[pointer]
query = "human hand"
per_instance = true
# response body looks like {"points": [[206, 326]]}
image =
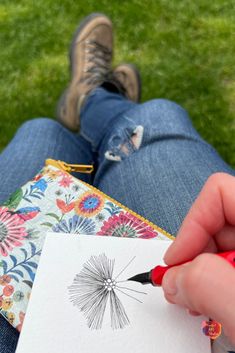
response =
{"points": [[206, 285]]}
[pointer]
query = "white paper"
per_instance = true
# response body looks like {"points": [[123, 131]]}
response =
{"points": [[54, 325]]}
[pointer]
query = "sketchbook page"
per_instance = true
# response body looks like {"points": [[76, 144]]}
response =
{"points": [[81, 301]]}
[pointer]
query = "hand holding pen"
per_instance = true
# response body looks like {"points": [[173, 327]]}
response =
{"points": [[206, 285]]}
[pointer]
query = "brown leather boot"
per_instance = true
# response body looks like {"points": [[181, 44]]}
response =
{"points": [[129, 78], [91, 60], [91, 66]]}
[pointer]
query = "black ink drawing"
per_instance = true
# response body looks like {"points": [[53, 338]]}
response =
{"points": [[96, 286]]}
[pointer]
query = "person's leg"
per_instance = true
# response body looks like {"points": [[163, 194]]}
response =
{"points": [[159, 174], [8, 337], [34, 142], [91, 64]]}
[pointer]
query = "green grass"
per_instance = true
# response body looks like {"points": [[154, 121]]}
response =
{"points": [[185, 50]]}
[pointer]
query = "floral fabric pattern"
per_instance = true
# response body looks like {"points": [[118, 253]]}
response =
{"points": [[12, 232], [89, 205], [126, 225], [75, 225], [53, 201]]}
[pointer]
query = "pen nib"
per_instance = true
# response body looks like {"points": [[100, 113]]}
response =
{"points": [[144, 278]]}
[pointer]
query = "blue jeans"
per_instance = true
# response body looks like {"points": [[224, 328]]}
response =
{"points": [[147, 156]]}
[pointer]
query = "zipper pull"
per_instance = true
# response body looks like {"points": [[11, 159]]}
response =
{"points": [[81, 168]]}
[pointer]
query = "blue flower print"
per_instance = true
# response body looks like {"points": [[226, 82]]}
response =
{"points": [[76, 225], [40, 184]]}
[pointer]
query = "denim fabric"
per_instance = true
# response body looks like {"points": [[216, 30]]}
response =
{"points": [[161, 178], [148, 157], [35, 141], [8, 337]]}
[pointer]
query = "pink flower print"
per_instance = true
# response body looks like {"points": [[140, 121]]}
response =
{"points": [[4, 280], [12, 233], [65, 181], [21, 317], [8, 290], [127, 225]]}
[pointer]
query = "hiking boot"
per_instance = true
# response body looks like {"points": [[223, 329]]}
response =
{"points": [[129, 80], [91, 61]]}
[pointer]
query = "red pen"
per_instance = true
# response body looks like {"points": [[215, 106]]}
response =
{"points": [[155, 276]]}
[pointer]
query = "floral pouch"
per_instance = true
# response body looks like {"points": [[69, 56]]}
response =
{"points": [[55, 201]]}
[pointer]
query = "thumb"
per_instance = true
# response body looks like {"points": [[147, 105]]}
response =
{"points": [[205, 285]]}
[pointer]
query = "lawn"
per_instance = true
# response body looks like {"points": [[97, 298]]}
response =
{"points": [[185, 50]]}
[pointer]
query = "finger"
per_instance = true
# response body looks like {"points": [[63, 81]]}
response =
{"points": [[213, 208], [225, 239], [207, 286]]}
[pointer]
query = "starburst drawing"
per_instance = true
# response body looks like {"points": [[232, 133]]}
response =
{"points": [[95, 287]]}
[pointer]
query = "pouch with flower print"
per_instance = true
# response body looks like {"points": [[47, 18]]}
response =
{"points": [[55, 201]]}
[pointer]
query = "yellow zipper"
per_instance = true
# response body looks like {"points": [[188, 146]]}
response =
{"points": [[82, 168]]}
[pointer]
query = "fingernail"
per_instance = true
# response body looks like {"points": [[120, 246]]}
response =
{"points": [[193, 313], [169, 283]]}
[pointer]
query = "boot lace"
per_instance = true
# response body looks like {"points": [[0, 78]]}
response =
{"points": [[97, 67]]}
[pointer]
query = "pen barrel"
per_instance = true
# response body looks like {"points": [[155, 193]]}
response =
{"points": [[229, 256], [157, 274]]}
